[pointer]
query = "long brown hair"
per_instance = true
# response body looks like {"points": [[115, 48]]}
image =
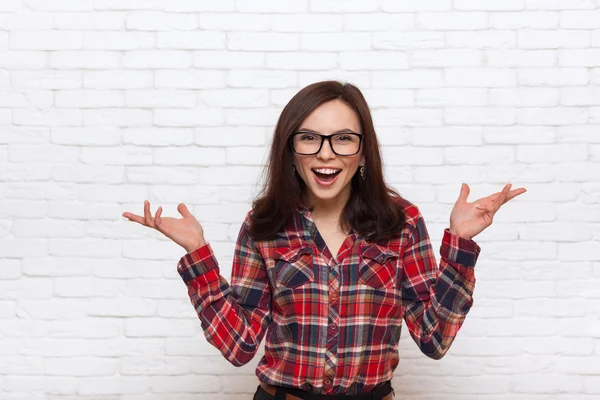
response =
{"points": [[371, 209]]}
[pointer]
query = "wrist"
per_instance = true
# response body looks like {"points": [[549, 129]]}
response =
{"points": [[195, 245], [459, 234]]}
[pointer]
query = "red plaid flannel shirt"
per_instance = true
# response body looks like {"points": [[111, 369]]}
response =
{"points": [[332, 324]]}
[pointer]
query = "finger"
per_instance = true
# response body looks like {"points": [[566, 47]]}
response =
{"points": [[464, 193], [502, 197], [148, 215], [183, 210], [514, 193], [157, 220], [134, 218]]}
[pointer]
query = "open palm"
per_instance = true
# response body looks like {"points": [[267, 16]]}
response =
{"points": [[186, 232], [469, 219]]}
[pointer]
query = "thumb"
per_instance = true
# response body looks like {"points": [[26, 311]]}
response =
{"points": [[183, 210], [464, 193]]}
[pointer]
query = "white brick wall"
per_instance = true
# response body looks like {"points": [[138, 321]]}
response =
{"points": [[105, 103]]}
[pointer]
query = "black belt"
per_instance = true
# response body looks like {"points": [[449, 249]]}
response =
{"points": [[381, 390]]}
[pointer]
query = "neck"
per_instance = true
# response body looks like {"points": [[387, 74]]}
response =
{"points": [[329, 210]]}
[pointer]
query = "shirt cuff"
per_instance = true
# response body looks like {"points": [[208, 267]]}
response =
{"points": [[197, 263], [459, 250]]}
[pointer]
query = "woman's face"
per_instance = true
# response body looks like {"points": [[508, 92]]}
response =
{"points": [[326, 174]]}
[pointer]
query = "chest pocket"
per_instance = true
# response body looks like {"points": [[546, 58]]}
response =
{"points": [[294, 267], [377, 267]]}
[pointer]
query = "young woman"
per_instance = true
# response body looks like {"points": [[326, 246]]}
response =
{"points": [[330, 260]]}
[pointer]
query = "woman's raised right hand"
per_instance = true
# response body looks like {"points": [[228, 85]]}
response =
{"points": [[186, 232]]}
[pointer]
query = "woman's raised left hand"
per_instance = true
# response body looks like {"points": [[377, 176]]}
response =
{"points": [[469, 219]]}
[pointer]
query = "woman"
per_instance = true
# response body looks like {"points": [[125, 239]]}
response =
{"points": [[330, 260]]}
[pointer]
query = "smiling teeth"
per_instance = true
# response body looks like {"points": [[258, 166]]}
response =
{"points": [[326, 171]]}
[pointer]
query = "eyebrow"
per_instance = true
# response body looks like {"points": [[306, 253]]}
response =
{"points": [[345, 130]]}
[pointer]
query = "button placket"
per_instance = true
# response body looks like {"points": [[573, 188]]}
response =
{"points": [[332, 327]]}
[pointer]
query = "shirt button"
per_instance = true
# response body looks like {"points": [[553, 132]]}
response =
{"points": [[333, 296], [327, 381], [380, 259], [333, 327]]}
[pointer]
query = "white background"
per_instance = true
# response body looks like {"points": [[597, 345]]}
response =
{"points": [[105, 103]]}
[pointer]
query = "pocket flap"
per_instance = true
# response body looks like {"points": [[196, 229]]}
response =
{"points": [[290, 254], [294, 267], [377, 253]]}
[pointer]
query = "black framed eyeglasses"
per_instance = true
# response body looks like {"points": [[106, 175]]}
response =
{"points": [[310, 143]]}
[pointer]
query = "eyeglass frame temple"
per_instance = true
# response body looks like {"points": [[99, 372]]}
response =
{"points": [[328, 138]]}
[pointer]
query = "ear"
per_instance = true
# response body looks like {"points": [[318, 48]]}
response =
{"points": [[362, 161]]}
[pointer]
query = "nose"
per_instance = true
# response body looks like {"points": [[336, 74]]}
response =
{"points": [[326, 152]]}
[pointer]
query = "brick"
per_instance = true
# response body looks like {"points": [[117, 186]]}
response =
{"points": [[119, 40], [552, 153], [261, 79], [236, 22], [413, 79], [524, 20], [160, 21], [187, 6], [197, 40], [112, 21], [378, 22], [480, 116], [188, 117], [117, 116], [580, 19], [166, 59], [340, 6], [479, 77], [553, 77], [160, 98], [46, 117], [425, 5], [579, 58], [446, 58], [157, 137], [195, 79], [560, 5], [519, 135], [30, 60], [11, 6], [408, 40], [525, 97], [89, 99], [228, 59], [262, 41], [335, 41], [85, 60], [118, 79], [189, 156], [46, 40], [521, 58], [304, 61], [552, 116], [50, 79], [532, 39], [452, 21], [494, 5], [305, 23], [581, 96], [492, 39]]}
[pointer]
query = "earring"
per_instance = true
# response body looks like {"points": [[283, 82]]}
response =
{"points": [[362, 172]]}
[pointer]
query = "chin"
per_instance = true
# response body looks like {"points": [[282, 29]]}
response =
{"points": [[326, 194]]}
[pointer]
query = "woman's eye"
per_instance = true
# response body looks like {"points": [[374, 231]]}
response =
{"points": [[343, 138], [308, 137]]}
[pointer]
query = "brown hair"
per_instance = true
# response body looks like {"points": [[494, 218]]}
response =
{"points": [[371, 209]]}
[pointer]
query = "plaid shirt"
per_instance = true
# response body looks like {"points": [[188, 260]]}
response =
{"points": [[332, 324]]}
